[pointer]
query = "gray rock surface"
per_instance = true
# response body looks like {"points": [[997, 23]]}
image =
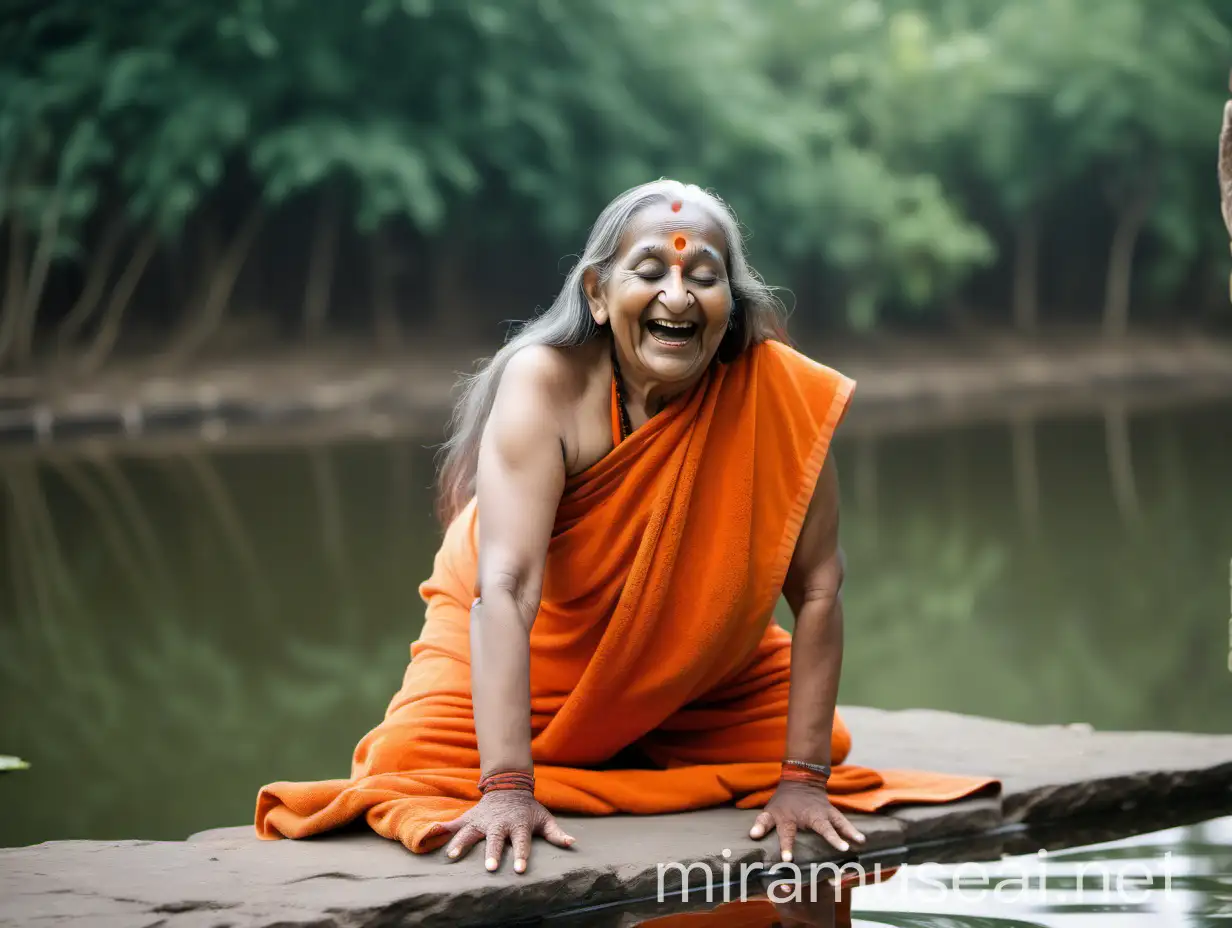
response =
{"points": [[1061, 775]]}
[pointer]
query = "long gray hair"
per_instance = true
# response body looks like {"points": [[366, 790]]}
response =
{"points": [[757, 316]]}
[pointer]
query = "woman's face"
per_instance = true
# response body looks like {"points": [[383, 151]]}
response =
{"points": [[667, 297]]}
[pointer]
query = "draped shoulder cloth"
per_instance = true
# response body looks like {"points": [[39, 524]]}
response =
{"points": [[655, 630]]}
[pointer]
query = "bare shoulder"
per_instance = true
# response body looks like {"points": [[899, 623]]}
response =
{"points": [[550, 377], [563, 390]]}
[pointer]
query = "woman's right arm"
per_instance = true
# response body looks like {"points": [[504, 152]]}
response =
{"points": [[520, 479], [521, 475]]}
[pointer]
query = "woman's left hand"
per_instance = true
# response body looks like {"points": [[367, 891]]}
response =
{"points": [[802, 805]]}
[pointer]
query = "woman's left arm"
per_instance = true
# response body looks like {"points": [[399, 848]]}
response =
{"points": [[812, 588]]}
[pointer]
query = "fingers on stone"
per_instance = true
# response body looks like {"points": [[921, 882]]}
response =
{"points": [[495, 847], [521, 840], [762, 824], [521, 846], [555, 834], [846, 828], [827, 831], [466, 838], [787, 838]]}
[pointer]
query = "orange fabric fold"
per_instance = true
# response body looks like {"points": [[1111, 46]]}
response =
{"points": [[655, 631]]}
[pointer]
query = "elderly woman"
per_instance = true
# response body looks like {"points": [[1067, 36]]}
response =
{"points": [[629, 486]]}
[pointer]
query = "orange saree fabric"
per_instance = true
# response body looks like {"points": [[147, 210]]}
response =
{"points": [[655, 631]]}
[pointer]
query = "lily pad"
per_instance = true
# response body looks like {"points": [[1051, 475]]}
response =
{"points": [[8, 762]]}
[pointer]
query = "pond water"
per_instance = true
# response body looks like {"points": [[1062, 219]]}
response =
{"points": [[177, 629], [1177, 877]]}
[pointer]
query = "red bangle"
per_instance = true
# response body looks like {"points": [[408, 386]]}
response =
{"points": [[801, 775], [507, 779]]}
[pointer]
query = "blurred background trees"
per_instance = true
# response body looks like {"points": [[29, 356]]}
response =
{"points": [[286, 169]]}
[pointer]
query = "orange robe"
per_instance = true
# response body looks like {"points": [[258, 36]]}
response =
{"points": [[665, 563]]}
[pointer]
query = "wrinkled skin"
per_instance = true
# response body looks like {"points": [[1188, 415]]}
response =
{"points": [[800, 805], [500, 816], [671, 266]]}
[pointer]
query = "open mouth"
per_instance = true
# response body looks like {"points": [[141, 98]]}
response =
{"points": [[671, 333]]}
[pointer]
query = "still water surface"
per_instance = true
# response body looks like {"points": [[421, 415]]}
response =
{"points": [[1177, 877], [176, 630]]}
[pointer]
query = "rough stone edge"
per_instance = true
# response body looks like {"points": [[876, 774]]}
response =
{"points": [[1117, 793], [625, 889], [907, 834], [965, 829]]}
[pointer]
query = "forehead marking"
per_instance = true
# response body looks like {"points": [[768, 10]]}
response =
{"points": [[676, 206], [680, 242]]}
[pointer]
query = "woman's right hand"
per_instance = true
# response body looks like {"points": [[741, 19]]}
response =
{"points": [[504, 815]]}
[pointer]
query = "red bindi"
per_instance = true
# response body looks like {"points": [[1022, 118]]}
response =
{"points": [[676, 207], [680, 242]]}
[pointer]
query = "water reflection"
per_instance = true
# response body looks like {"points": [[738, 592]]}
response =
{"points": [[190, 625], [181, 627], [1026, 472], [1180, 876], [824, 903], [1092, 568], [1121, 465]]}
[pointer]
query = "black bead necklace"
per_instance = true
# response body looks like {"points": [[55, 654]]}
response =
{"points": [[626, 425]]}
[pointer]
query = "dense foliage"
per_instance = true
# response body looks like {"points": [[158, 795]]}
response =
{"points": [[412, 162]]}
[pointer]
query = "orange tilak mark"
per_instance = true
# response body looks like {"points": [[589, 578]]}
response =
{"points": [[676, 207], [680, 242]]}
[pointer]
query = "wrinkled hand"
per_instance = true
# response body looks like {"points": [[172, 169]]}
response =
{"points": [[503, 815], [796, 805]]}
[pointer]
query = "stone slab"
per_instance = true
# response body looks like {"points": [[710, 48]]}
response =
{"points": [[1053, 775], [1048, 771]]}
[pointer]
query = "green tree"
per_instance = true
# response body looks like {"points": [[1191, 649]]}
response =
{"points": [[879, 149], [859, 198]]}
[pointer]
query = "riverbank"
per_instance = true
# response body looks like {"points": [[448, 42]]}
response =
{"points": [[349, 389], [1063, 785]]}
